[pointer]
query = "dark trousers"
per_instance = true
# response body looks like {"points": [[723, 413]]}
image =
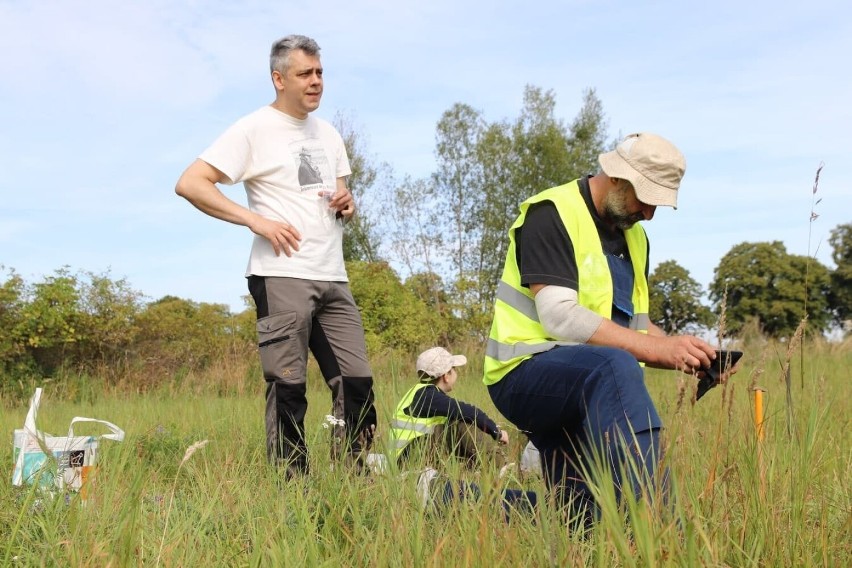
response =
{"points": [[465, 442], [578, 401], [295, 316]]}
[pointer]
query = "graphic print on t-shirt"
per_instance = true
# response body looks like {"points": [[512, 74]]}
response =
{"points": [[313, 166]]}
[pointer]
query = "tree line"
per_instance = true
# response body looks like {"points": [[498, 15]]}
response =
{"points": [[446, 236]]}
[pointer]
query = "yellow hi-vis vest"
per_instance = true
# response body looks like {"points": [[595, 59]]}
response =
{"points": [[516, 333], [405, 428]]}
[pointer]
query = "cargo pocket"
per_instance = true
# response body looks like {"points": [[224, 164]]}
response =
{"points": [[278, 343]]}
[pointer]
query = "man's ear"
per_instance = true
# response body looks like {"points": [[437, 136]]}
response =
{"points": [[277, 80]]}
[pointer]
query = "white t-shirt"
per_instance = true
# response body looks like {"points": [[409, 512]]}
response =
{"points": [[287, 166]]}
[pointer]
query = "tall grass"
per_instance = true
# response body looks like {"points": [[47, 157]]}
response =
{"points": [[224, 506]]}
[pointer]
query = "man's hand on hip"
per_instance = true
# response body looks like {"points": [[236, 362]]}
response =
{"points": [[282, 235]]}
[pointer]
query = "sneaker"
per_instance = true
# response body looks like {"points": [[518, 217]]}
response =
{"points": [[424, 486]]}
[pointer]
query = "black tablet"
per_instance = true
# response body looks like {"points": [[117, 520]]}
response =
{"points": [[723, 361]]}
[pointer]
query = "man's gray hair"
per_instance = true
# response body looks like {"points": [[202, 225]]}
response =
{"points": [[279, 57]]}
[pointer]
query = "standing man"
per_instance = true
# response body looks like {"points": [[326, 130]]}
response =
{"points": [[296, 273], [571, 323]]}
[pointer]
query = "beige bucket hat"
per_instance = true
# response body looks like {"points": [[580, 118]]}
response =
{"points": [[437, 361], [651, 163]]}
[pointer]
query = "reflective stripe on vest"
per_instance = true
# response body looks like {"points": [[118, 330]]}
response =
{"points": [[411, 425], [518, 300], [516, 333], [405, 428]]}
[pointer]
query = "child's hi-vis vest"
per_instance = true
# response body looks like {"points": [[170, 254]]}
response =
{"points": [[405, 428]]}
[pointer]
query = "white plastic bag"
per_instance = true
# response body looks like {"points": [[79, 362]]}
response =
{"points": [[62, 462], [531, 459]]}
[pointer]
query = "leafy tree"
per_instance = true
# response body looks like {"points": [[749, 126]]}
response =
{"points": [[110, 308], [460, 187], [587, 135], [369, 184], [519, 158], [764, 282], [52, 322], [73, 323], [245, 322], [455, 223], [500, 207], [458, 182], [536, 152], [540, 142], [69, 321], [12, 299], [175, 334], [676, 299], [393, 316], [428, 287], [840, 298], [417, 236]]}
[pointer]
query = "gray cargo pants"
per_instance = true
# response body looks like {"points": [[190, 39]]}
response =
{"points": [[295, 316]]}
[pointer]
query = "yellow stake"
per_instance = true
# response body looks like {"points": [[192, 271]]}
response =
{"points": [[758, 412], [758, 426]]}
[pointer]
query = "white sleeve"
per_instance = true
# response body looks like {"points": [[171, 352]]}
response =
{"points": [[230, 153], [563, 317]]}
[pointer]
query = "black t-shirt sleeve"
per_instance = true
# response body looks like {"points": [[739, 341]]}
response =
{"points": [[432, 401], [545, 254]]}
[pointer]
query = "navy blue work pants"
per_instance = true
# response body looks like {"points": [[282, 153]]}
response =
{"points": [[573, 400]]}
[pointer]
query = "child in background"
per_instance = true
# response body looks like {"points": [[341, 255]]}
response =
{"points": [[431, 424], [428, 420]]}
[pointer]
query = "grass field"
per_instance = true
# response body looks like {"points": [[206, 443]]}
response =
{"points": [[784, 502]]}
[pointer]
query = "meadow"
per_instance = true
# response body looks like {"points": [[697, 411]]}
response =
{"points": [[190, 486]]}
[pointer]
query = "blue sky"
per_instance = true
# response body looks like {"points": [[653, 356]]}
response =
{"points": [[103, 104]]}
